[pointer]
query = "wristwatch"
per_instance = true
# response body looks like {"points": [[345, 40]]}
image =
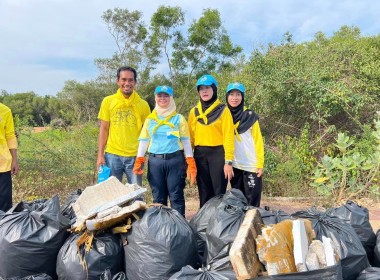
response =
{"points": [[229, 162]]}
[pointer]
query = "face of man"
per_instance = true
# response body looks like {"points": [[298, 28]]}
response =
{"points": [[126, 82]]}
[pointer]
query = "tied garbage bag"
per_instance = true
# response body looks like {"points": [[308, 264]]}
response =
{"points": [[370, 273], [189, 273], [106, 252], [347, 244], [160, 243], [376, 261], [273, 217], [42, 276], [327, 273], [358, 218], [107, 275], [221, 233], [31, 235], [67, 209], [200, 221]]}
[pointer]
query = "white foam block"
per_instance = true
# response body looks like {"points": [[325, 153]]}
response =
{"points": [[301, 245], [329, 251]]}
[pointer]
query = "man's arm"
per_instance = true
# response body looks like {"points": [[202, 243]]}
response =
{"points": [[14, 166], [103, 137]]}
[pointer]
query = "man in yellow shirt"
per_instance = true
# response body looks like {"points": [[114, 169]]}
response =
{"points": [[8, 157], [122, 116]]}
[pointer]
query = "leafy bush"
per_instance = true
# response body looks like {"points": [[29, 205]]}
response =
{"points": [[351, 173]]}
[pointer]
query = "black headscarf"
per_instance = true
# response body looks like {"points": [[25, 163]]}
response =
{"points": [[247, 118], [216, 112]]}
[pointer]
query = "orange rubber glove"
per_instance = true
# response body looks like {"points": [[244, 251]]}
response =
{"points": [[191, 170], [138, 164]]}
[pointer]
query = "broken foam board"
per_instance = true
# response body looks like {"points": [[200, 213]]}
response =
{"points": [[301, 245], [243, 255]]}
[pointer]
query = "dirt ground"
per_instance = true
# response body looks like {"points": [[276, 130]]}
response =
{"points": [[290, 206]]}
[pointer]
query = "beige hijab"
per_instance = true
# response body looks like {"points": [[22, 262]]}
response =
{"points": [[164, 112]]}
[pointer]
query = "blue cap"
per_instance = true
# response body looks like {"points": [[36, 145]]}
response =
{"points": [[165, 89], [207, 80], [237, 86]]}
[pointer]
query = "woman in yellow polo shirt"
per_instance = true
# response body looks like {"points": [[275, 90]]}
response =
{"points": [[212, 136]]}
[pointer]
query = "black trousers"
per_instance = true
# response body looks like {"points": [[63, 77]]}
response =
{"points": [[5, 191], [210, 174], [249, 184]]}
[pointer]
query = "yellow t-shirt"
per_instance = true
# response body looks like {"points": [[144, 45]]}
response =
{"points": [[220, 132], [7, 138], [126, 118]]}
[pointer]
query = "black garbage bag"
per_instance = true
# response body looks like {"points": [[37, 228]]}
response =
{"points": [[358, 218], [159, 245], [327, 273], [370, 273], [67, 209], [31, 235], [350, 250], [200, 221], [107, 275], [42, 276], [273, 217], [106, 253], [189, 273], [376, 261], [221, 233]]}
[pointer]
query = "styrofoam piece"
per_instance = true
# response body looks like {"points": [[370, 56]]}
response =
{"points": [[329, 251], [243, 255], [301, 245], [316, 250], [114, 218], [109, 211], [102, 196], [312, 262]]}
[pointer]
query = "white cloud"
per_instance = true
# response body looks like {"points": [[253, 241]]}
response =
{"points": [[45, 42]]}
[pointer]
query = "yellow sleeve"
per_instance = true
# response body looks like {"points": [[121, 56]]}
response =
{"points": [[144, 134], [191, 126], [228, 134], [184, 132], [10, 135], [146, 112], [259, 144], [104, 112]]}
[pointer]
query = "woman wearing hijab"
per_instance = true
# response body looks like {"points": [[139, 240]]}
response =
{"points": [[167, 135], [248, 162], [212, 135]]}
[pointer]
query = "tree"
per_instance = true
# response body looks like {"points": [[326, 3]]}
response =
{"points": [[206, 46], [82, 100], [130, 35]]}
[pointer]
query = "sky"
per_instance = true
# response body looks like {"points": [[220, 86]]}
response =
{"points": [[44, 43]]}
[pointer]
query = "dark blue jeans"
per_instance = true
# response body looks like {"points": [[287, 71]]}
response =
{"points": [[120, 165], [167, 178]]}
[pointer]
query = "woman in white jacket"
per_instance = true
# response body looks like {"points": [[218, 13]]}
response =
{"points": [[248, 162]]}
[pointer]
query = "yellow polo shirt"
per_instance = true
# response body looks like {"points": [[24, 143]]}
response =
{"points": [[126, 118], [7, 138]]}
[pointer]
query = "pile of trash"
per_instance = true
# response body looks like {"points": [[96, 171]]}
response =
{"points": [[107, 232]]}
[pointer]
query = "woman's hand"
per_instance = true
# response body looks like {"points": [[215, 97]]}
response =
{"points": [[228, 172]]}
